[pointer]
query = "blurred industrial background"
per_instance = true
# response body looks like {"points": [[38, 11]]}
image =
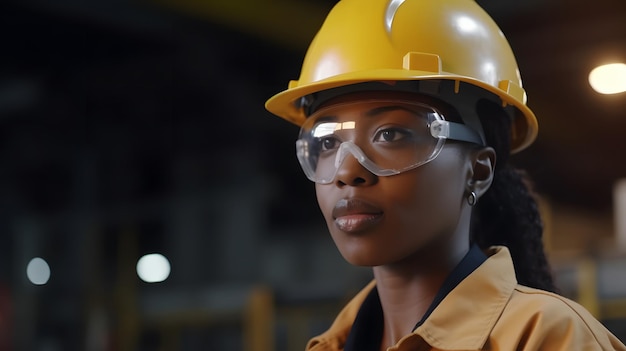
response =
{"points": [[130, 128]]}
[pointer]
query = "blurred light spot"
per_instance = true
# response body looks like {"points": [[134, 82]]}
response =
{"points": [[608, 79], [489, 74], [466, 24], [38, 271], [153, 268], [329, 65]]}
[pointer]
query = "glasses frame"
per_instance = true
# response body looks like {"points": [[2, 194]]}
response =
{"points": [[440, 129]]}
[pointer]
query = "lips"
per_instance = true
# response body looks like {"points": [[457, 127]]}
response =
{"points": [[354, 215]]}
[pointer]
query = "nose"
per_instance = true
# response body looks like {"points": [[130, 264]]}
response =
{"points": [[352, 173]]}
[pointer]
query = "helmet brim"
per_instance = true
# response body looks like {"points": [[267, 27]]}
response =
{"points": [[284, 104]]}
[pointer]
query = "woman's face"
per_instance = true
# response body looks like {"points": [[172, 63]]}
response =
{"points": [[379, 220]]}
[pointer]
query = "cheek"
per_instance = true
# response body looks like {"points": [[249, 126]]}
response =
{"points": [[325, 200], [429, 198]]}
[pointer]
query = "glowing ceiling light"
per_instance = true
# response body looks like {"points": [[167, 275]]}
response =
{"points": [[38, 271], [153, 268], [608, 79]]}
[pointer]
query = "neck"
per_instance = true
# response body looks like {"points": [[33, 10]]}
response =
{"points": [[408, 288]]}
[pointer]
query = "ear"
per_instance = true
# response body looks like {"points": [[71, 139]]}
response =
{"points": [[483, 163]]}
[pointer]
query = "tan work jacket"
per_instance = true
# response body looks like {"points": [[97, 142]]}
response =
{"points": [[488, 310]]}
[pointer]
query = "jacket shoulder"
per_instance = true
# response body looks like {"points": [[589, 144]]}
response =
{"points": [[556, 305], [548, 321]]}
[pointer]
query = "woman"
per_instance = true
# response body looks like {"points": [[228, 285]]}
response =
{"points": [[408, 113]]}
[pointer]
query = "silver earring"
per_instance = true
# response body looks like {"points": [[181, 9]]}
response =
{"points": [[471, 198]]}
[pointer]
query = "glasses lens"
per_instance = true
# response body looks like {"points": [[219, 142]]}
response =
{"points": [[389, 137]]}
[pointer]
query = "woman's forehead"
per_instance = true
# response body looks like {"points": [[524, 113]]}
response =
{"points": [[369, 98], [372, 110]]}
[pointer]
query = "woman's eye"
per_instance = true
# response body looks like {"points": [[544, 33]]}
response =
{"points": [[329, 143], [389, 135]]}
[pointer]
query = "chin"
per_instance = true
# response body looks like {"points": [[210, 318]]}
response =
{"points": [[362, 259]]}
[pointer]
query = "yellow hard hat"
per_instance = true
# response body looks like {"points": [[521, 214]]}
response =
{"points": [[408, 40]]}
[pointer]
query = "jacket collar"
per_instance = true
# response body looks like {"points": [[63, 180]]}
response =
{"points": [[478, 302], [462, 321]]}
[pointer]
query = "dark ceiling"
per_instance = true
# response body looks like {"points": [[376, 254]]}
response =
{"points": [[579, 153], [255, 47]]}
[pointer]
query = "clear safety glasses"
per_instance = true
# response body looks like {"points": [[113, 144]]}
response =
{"points": [[387, 137]]}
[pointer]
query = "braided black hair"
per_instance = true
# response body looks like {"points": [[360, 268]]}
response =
{"points": [[507, 214]]}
